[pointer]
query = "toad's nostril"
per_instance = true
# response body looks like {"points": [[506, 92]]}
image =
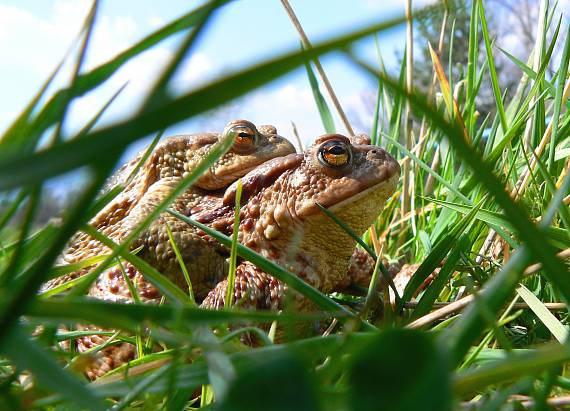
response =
{"points": [[376, 154]]}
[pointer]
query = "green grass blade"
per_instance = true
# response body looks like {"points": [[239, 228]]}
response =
{"points": [[472, 54], [140, 388], [427, 169], [558, 236], [21, 293], [529, 71], [159, 89], [440, 250], [517, 215], [180, 263], [558, 100], [492, 69], [102, 111], [324, 111], [559, 331], [166, 287], [51, 112], [425, 303], [233, 249], [510, 369], [129, 316], [145, 156], [88, 29]]}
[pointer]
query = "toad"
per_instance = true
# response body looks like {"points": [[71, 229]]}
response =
{"points": [[279, 218], [171, 161], [281, 221]]}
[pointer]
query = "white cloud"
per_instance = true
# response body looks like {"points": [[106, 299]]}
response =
{"points": [[197, 69], [10, 19], [155, 22], [280, 107], [33, 42]]}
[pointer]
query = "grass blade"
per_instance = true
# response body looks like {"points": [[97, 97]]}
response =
{"points": [[233, 249], [559, 331], [324, 111], [492, 69]]}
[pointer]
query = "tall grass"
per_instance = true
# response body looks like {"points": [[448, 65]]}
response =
{"points": [[486, 198]]}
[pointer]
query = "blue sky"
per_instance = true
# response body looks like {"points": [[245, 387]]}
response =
{"points": [[35, 34]]}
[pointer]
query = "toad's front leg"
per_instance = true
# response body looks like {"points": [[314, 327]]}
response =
{"points": [[253, 288]]}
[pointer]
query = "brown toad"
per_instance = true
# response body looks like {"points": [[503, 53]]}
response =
{"points": [[166, 166], [280, 219]]}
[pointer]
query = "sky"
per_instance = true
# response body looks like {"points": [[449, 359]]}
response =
{"points": [[35, 35]]}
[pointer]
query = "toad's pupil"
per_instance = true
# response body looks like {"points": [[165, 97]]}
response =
{"points": [[336, 155], [243, 135], [337, 150]]}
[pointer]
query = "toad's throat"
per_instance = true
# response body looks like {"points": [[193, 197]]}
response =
{"points": [[380, 191], [320, 246]]}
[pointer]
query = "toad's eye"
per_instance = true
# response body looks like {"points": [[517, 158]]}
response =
{"points": [[335, 154], [244, 136]]}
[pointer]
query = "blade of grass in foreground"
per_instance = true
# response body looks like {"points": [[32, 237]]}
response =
{"points": [[166, 287], [195, 374], [512, 368], [128, 316], [276, 271], [20, 293], [559, 331], [159, 89], [88, 26]]}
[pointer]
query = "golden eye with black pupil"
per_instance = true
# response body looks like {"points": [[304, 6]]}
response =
{"points": [[244, 136], [335, 154]]}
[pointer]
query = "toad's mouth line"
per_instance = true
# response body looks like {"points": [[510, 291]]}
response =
{"points": [[386, 187]]}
